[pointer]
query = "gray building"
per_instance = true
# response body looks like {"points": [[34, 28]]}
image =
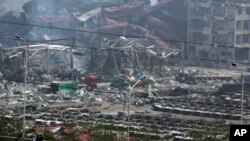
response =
{"points": [[222, 22]]}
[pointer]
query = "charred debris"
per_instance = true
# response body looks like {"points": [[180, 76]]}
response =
{"points": [[85, 74], [92, 51]]}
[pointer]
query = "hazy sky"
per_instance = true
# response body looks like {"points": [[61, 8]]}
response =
{"points": [[11, 5]]}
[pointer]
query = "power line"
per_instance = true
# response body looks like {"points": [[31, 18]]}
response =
{"points": [[140, 53], [112, 34]]}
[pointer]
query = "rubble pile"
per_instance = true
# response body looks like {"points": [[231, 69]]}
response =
{"points": [[89, 80]]}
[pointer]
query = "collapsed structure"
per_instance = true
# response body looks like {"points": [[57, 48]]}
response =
{"points": [[146, 53], [42, 59], [115, 43]]}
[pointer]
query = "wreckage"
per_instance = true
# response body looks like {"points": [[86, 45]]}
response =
{"points": [[89, 79], [43, 59], [117, 54]]}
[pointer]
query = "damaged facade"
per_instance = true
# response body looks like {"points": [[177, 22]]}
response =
{"points": [[43, 59], [222, 23]]}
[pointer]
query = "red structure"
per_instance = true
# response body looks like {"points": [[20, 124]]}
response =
{"points": [[91, 81]]}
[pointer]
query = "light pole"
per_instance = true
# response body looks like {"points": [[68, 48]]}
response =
{"points": [[142, 77], [242, 95], [25, 80]]}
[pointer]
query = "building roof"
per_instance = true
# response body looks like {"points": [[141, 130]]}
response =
{"points": [[88, 15]]}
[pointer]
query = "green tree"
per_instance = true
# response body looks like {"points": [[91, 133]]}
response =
{"points": [[71, 136], [10, 127], [47, 135], [208, 133]]}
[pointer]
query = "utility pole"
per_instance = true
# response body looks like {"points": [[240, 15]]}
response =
{"points": [[182, 55], [242, 94], [25, 81], [218, 49], [124, 106], [48, 61], [91, 65], [116, 67], [71, 56], [159, 59], [134, 57], [142, 77], [138, 62], [25, 85], [242, 97]]}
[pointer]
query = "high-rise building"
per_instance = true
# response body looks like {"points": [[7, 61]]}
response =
{"points": [[218, 22]]}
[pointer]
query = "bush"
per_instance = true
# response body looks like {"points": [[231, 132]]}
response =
{"points": [[47, 135]]}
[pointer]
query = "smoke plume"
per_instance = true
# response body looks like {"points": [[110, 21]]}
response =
{"points": [[14, 6]]}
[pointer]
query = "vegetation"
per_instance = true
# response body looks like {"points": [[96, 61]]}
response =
{"points": [[110, 132], [209, 134], [10, 126], [102, 132], [73, 136], [47, 135]]}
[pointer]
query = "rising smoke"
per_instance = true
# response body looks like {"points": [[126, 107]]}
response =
{"points": [[14, 6], [50, 13]]}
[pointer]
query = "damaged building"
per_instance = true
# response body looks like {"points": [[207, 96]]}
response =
{"points": [[223, 28], [154, 20], [81, 63], [43, 60]]}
